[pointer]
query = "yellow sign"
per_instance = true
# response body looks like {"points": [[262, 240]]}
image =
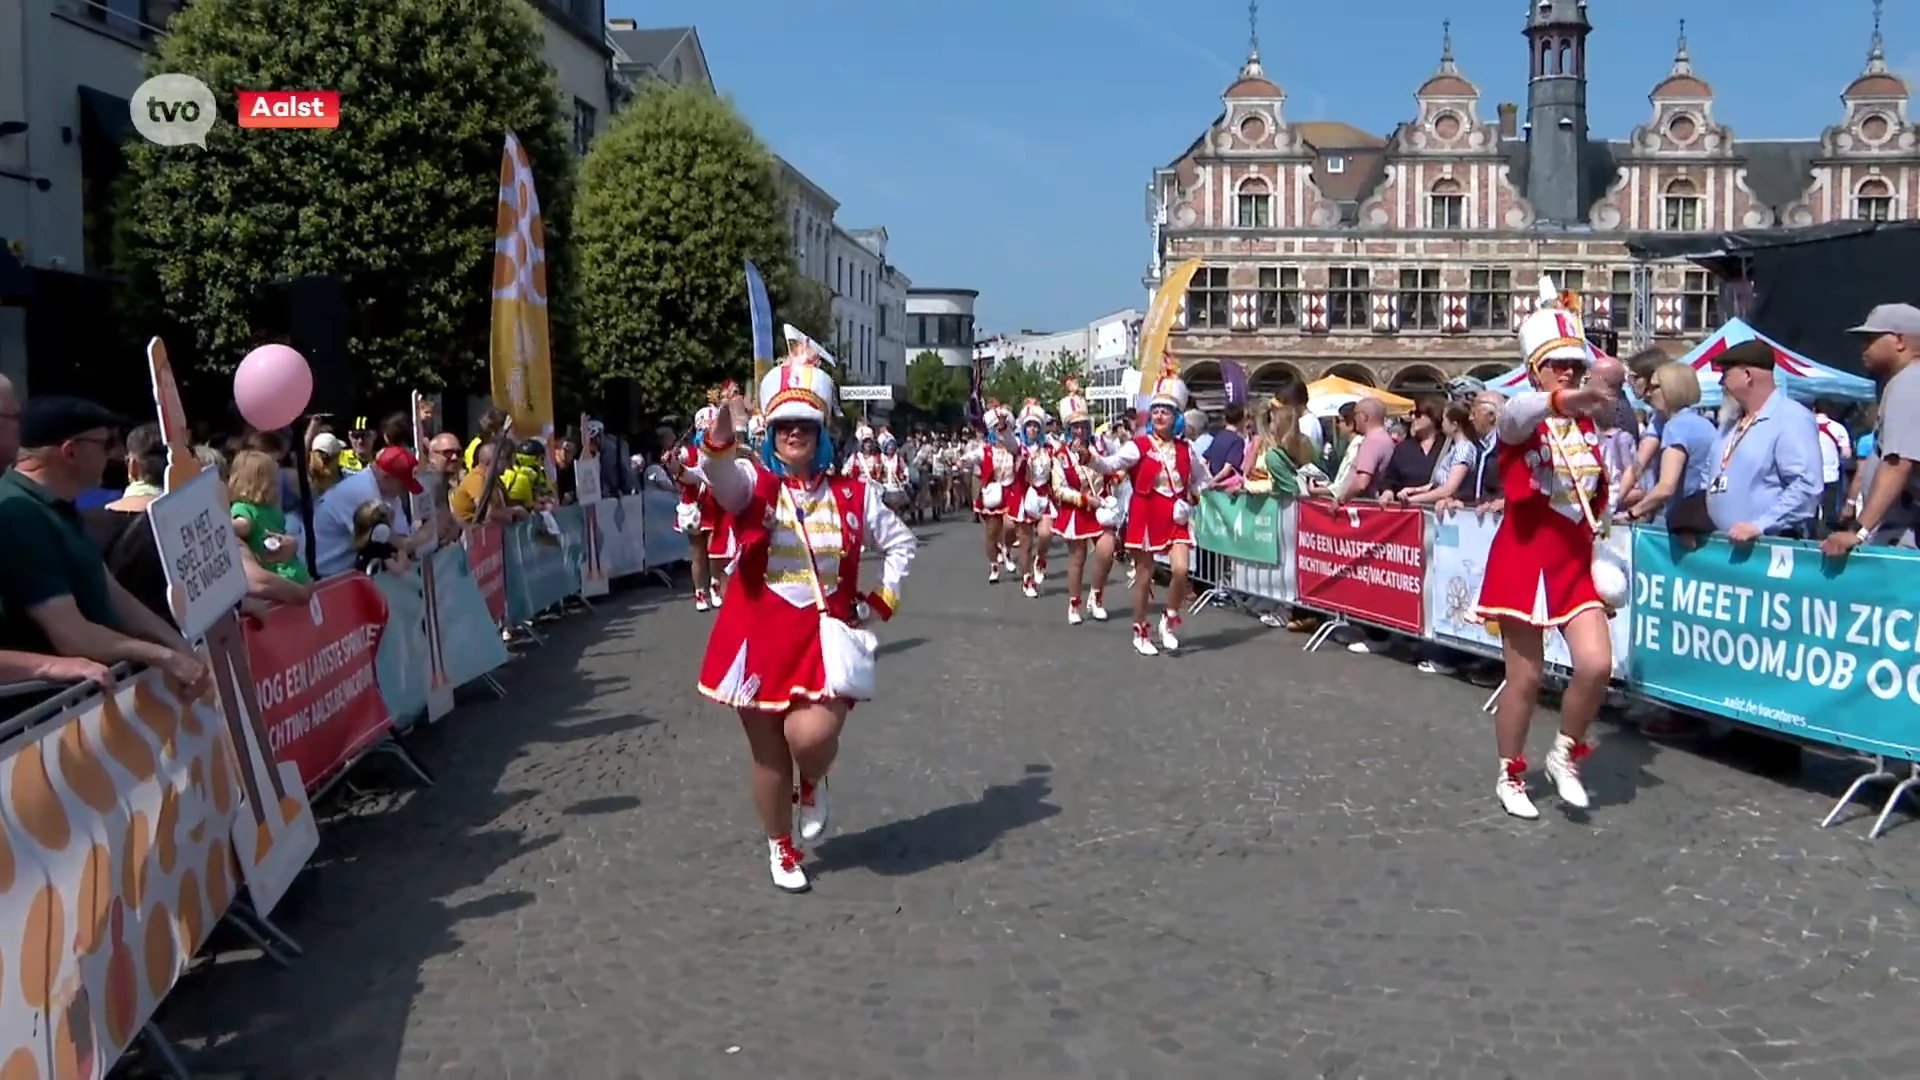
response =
{"points": [[521, 362], [1159, 321]]}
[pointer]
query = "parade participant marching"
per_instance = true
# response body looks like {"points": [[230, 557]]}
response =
{"points": [[1080, 494], [1540, 567], [1167, 478], [864, 462], [892, 476], [1002, 471], [708, 531], [1032, 516], [773, 657]]}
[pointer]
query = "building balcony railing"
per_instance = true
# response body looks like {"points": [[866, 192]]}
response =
{"points": [[139, 22]]}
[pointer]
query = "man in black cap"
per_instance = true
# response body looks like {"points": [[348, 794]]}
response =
{"points": [[56, 592]]}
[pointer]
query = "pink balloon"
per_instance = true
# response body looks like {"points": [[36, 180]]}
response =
{"points": [[272, 387]]}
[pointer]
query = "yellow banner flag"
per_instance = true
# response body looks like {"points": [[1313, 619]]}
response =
{"points": [[520, 363], [1159, 322]]}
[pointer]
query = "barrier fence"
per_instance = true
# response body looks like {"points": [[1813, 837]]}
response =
{"points": [[138, 820], [1771, 635]]}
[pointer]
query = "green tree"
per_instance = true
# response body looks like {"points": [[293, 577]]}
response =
{"points": [[936, 389], [674, 197], [399, 200]]}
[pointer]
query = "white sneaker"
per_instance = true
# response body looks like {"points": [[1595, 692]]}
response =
{"points": [[1094, 608], [811, 809], [1365, 647], [783, 861], [1073, 613], [1007, 560], [993, 575], [1141, 644], [1039, 571], [1428, 667], [1169, 622], [717, 597], [1027, 588], [1268, 618], [1563, 768], [1511, 789], [700, 600]]}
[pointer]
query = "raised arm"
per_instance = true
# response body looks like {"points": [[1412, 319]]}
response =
{"points": [[1524, 411], [728, 475]]}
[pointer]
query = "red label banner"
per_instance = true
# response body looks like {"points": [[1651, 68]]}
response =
{"points": [[1363, 560], [487, 558], [314, 666]]}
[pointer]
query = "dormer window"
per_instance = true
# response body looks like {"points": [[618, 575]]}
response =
{"points": [[1873, 201], [1447, 206], [1681, 212], [1336, 163]]}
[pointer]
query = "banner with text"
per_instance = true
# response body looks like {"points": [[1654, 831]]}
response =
{"points": [[1362, 560], [314, 666], [1460, 542], [487, 558], [1777, 636], [1239, 526]]}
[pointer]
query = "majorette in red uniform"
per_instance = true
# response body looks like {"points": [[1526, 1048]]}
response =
{"points": [[1081, 499], [1540, 567], [800, 533], [709, 533], [1167, 478], [864, 462], [1003, 486], [1032, 516]]}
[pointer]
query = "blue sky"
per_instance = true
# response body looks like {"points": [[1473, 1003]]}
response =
{"points": [[1006, 144]]}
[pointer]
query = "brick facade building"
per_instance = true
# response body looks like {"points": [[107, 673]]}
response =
{"points": [[1406, 260]]}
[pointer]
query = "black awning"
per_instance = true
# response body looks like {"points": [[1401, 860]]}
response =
{"points": [[16, 285], [105, 117]]}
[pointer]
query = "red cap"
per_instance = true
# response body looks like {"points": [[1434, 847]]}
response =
{"points": [[399, 465]]}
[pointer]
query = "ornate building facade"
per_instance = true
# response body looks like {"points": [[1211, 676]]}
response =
{"points": [[1406, 260]]}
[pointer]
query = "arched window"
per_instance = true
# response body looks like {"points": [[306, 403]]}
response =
{"points": [[1447, 206], [1566, 57], [1253, 208], [1873, 201], [1547, 59], [1680, 211]]}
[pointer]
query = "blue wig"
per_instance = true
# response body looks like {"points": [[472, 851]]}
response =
{"points": [[822, 453], [1030, 441]]}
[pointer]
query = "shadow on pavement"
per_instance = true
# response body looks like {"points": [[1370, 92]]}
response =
{"points": [[894, 648], [376, 904], [951, 834]]}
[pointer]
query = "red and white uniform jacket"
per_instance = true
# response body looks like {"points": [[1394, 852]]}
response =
{"points": [[864, 466], [1005, 465]]}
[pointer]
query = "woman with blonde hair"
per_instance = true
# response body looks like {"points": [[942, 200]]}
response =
{"points": [[1277, 452], [1682, 469]]}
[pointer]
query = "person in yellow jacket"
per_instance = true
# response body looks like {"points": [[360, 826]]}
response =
{"points": [[359, 449], [525, 478]]}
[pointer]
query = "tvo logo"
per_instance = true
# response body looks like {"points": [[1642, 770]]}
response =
{"points": [[174, 110]]}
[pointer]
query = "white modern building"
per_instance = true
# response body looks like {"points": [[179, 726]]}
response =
{"points": [[67, 71], [1105, 346], [576, 48], [941, 320], [856, 289], [810, 213]]}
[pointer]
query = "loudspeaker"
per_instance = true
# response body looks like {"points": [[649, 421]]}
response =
{"points": [[310, 314]]}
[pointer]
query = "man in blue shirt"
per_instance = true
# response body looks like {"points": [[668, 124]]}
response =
{"points": [[1766, 462]]}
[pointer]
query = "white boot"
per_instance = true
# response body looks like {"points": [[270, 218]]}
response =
{"points": [[1511, 789], [1169, 623], [1095, 609], [1073, 613], [1027, 587], [717, 597], [811, 810], [1563, 768], [783, 861], [700, 600], [1141, 643]]}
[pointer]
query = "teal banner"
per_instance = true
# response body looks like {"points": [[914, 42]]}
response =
{"points": [[1777, 636], [543, 570], [1245, 527], [403, 665], [470, 644]]}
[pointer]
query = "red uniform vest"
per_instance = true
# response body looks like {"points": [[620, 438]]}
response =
{"points": [[755, 537], [1145, 473]]}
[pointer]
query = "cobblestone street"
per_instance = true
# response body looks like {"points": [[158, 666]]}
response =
{"points": [[1057, 859]]}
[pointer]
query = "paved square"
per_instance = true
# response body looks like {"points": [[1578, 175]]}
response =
{"points": [[1058, 859]]}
